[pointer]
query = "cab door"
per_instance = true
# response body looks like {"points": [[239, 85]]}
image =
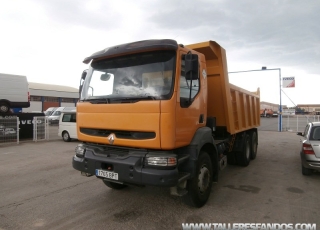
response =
{"points": [[191, 103]]}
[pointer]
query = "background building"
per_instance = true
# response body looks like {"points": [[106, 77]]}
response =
{"points": [[268, 105], [43, 96], [310, 108]]}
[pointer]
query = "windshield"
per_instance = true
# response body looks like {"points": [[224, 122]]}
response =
{"points": [[47, 113], [140, 76], [56, 113]]}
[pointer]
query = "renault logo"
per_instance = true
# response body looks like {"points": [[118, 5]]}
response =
{"points": [[111, 138]]}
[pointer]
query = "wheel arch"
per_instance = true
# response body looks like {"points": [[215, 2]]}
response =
{"points": [[6, 102], [203, 140], [213, 154]]}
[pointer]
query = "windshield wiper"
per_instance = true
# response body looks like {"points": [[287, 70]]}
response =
{"points": [[141, 97], [133, 99], [99, 100], [119, 99]]}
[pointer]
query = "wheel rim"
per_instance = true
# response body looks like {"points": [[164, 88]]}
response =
{"points": [[65, 136], [3, 108], [203, 179]]}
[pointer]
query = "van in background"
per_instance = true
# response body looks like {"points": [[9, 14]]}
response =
{"points": [[50, 111], [55, 116], [14, 92], [68, 126]]}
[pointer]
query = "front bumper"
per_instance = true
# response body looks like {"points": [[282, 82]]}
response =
{"points": [[130, 167]]}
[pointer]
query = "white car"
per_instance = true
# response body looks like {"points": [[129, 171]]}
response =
{"points": [[310, 148]]}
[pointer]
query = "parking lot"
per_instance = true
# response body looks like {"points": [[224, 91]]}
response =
{"points": [[39, 189]]}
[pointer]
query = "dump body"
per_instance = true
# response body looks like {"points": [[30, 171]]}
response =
{"points": [[235, 109]]}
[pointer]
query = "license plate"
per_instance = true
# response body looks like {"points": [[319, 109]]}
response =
{"points": [[107, 174]]}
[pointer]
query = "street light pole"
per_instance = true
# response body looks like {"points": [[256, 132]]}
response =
{"points": [[280, 105]]}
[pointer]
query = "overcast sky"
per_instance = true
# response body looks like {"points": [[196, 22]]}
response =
{"points": [[48, 40]]}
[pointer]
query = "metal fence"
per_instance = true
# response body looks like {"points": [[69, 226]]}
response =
{"points": [[43, 129], [40, 129], [9, 130], [297, 123]]}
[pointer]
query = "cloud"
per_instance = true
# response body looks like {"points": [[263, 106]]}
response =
{"points": [[47, 40]]}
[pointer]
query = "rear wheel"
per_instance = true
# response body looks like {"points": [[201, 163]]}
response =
{"points": [[4, 108], [306, 171], [66, 136], [114, 185], [243, 157], [199, 187], [253, 145]]}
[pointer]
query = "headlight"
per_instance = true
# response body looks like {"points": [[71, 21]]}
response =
{"points": [[80, 150], [161, 161]]}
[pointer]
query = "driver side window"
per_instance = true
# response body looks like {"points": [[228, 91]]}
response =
{"points": [[187, 85]]}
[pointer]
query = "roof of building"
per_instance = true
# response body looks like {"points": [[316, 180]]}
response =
{"points": [[60, 88]]}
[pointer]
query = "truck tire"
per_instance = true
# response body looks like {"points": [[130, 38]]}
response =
{"points": [[306, 171], [66, 136], [253, 145], [243, 157], [4, 108], [114, 185], [199, 187]]}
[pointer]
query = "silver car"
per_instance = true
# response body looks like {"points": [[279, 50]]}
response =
{"points": [[310, 148]]}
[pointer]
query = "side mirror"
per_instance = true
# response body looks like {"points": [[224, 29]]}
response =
{"points": [[191, 66], [80, 89], [84, 74], [83, 77], [299, 134]]}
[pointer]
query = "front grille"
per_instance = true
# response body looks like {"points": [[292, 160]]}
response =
{"points": [[118, 133], [112, 151]]}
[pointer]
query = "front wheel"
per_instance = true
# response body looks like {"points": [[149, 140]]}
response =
{"points": [[66, 136], [199, 187], [114, 185]]}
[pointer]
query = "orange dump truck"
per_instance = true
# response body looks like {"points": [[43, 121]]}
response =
{"points": [[159, 113]]}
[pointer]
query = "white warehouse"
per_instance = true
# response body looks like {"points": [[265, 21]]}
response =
{"points": [[43, 96]]}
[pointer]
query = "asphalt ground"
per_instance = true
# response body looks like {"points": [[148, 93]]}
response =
{"points": [[39, 189]]}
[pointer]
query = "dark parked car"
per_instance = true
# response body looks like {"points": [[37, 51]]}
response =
{"points": [[310, 148]]}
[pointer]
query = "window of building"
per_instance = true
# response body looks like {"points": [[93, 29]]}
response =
{"points": [[35, 98], [51, 99], [71, 100]]}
